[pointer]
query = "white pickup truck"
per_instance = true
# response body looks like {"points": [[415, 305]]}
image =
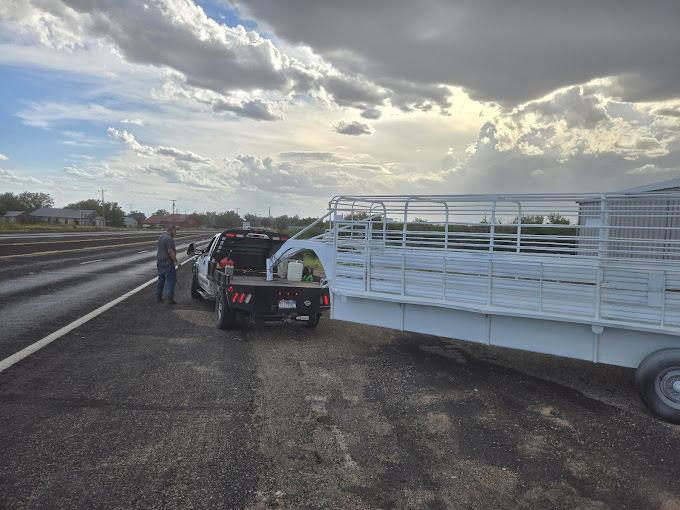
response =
{"points": [[242, 292]]}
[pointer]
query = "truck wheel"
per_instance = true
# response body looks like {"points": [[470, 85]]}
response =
{"points": [[657, 381], [313, 321], [224, 315], [194, 286]]}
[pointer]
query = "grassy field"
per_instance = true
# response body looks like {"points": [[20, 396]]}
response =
{"points": [[47, 227]]}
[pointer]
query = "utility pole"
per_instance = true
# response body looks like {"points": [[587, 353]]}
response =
{"points": [[103, 207], [173, 210]]}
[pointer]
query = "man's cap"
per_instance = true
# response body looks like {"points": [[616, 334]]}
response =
{"points": [[172, 227]]}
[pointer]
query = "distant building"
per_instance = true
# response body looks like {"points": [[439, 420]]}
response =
{"points": [[82, 217], [15, 217], [153, 221], [130, 222], [183, 221]]}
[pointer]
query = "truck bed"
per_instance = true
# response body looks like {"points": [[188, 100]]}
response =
{"points": [[261, 281]]}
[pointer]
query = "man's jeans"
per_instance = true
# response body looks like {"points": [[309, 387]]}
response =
{"points": [[166, 272]]}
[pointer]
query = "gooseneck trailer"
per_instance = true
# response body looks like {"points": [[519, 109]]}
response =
{"points": [[588, 276]]}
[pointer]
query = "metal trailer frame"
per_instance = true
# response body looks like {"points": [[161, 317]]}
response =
{"points": [[588, 276]]}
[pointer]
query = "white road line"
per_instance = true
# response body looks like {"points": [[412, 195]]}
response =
{"points": [[91, 261], [143, 251], [23, 353]]}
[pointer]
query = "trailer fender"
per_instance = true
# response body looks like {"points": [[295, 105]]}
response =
{"points": [[657, 381]]}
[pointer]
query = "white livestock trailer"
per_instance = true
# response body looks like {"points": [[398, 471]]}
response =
{"points": [[587, 276]]}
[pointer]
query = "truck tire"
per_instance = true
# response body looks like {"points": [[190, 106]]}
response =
{"points": [[657, 381], [313, 320], [224, 315], [194, 286]]}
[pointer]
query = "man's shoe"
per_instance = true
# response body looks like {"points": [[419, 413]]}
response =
{"points": [[172, 302], [159, 299]]}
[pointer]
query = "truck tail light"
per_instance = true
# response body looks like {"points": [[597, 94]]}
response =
{"points": [[241, 297], [325, 300]]}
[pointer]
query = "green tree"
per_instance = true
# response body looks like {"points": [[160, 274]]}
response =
{"points": [[228, 219], [558, 219], [255, 221], [114, 215], [92, 205], [530, 219], [10, 202], [34, 201], [137, 215], [26, 201], [207, 219], [161, 212]]}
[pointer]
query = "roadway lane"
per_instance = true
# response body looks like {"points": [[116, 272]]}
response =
{"points": [[145, 406], [47, 281]]}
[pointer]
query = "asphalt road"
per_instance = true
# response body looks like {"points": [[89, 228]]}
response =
{"points": [[49, 280], [150, 406]]}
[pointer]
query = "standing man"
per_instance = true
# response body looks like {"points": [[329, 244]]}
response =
{"points": [[166, 260]]}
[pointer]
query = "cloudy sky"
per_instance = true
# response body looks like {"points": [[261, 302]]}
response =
{"points": [[264, 104]]}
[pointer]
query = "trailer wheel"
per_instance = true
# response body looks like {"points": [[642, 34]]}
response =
{"points": [[195, 286], [224, 315], [657, 381]]}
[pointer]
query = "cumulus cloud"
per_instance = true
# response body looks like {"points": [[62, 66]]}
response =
{"points": [[320, 175], [569, 106], [175, 165], [575, 122], [78, 172], [371, 113], [256, 109], [3, 157], [181, 155], [98, 172], [178, 35], [309, 156], [504, 159], [651, 169], [503, 52], [673, 111], [577, 97], [9, 177], [353, 128], [209, 56]]}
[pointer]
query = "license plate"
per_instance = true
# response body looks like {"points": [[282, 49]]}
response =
{"points": [[287, 303]]}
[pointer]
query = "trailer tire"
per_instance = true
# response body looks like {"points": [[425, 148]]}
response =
{"points": [[224, 315], [657, 381], [194, 286]]}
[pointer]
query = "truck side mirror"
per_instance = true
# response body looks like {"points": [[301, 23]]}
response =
{"points": [[191, 250]]}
